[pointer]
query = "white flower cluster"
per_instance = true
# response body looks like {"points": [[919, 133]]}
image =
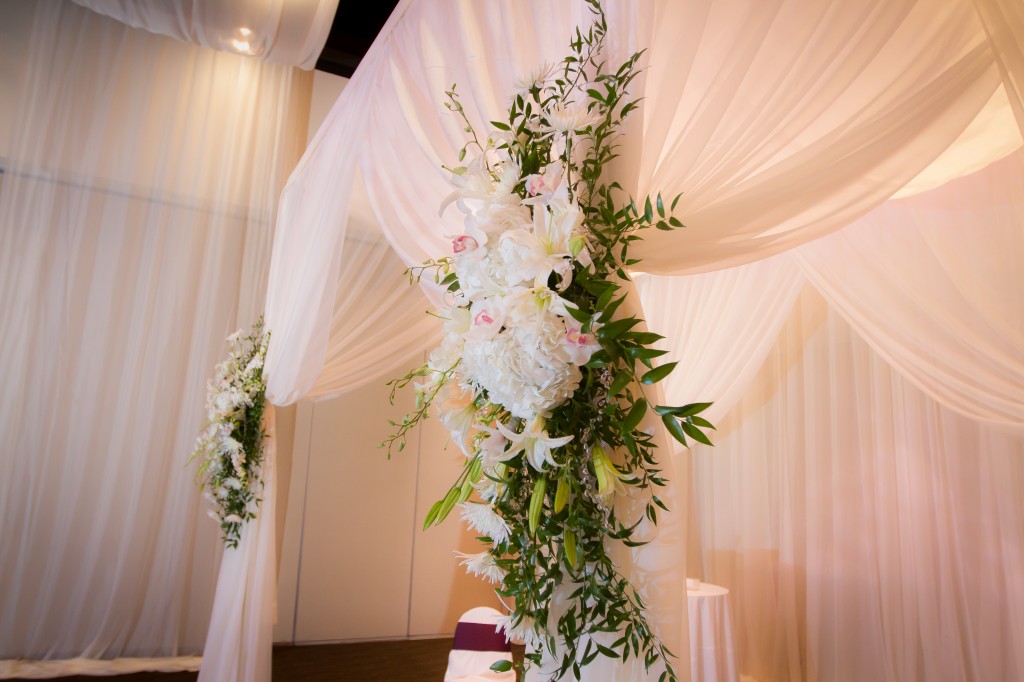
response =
{"points": [[511, 346], [231, 475], [512, 332]]}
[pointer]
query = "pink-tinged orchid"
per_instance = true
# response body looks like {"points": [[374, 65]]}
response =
{"points": [[488, 319], [464, 243], [546, 186]]}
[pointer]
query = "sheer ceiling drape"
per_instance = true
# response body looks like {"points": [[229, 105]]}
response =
{"points": [[773, 144], [136, 217], [1004, 25], [290, 32]]}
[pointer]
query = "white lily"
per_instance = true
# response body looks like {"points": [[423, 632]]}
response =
{"points": [[535, 442]]}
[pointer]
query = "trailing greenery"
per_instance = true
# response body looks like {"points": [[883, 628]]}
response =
{"points": [[550, 477]]}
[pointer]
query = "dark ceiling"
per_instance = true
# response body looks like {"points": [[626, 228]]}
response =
{"points": [[353, 30]]}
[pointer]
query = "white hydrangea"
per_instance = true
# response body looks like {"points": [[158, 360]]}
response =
{"points": [[519, 374]]}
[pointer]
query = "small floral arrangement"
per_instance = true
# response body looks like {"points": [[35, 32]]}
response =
{"points": [[538, 380], [230, 448]]}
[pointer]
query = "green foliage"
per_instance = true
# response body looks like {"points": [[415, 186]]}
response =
{"points": [[562, 517]]}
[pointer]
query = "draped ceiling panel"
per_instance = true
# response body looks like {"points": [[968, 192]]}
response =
{"points": [[289, 32], [777, 132]]}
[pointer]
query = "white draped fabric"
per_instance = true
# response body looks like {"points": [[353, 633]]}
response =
{"points": [[934, 283], [719, 326], [290, 32], [892, 412], [865, 531], [780, 129], [865, 354], [810, 160], [1004, 24], [136, 215], [239, 641]]}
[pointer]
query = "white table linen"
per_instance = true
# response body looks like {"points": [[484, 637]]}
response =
{"points": [[712, 651]]}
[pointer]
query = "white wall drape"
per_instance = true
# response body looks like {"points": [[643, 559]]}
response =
{"points": [[865, 531], [136, 217], [862, 500]]}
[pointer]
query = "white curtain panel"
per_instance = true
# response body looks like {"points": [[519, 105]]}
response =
{"points": [[719, 326], [136, 216], [240, 638], [934, 283], [289, 32], [865, 531]]}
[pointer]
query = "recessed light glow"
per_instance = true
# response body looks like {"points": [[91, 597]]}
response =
{"points": [[241, 46], [244, 32]]}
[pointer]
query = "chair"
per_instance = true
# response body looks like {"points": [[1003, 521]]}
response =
{"points": [[478, 646]]}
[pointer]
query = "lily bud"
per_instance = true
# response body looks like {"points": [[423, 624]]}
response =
{"points": [[576, 245], [608, 476], [537, 502], [561, 493]]}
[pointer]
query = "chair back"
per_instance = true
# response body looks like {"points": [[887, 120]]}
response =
{"points": [[478, 645]]}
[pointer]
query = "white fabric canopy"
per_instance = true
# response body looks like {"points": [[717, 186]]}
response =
{"points": [[934, 283], [835, 136], [779, 130]]}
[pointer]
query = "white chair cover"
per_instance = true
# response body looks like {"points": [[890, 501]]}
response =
{"points": [[478, 645]]}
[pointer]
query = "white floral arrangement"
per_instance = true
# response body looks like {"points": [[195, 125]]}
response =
{"points": [[230, 448], [538, 380]]}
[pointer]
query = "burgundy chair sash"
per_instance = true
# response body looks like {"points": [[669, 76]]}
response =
{"points": [[479, 637]]}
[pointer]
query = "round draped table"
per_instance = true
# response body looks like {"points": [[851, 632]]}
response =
{"points": [[712, 654]]}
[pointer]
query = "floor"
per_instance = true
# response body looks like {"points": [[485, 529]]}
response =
{"points": [[399, 661]]}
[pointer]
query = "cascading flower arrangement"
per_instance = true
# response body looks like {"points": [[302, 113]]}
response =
{"points": [[230, 448], [539, 382]]}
